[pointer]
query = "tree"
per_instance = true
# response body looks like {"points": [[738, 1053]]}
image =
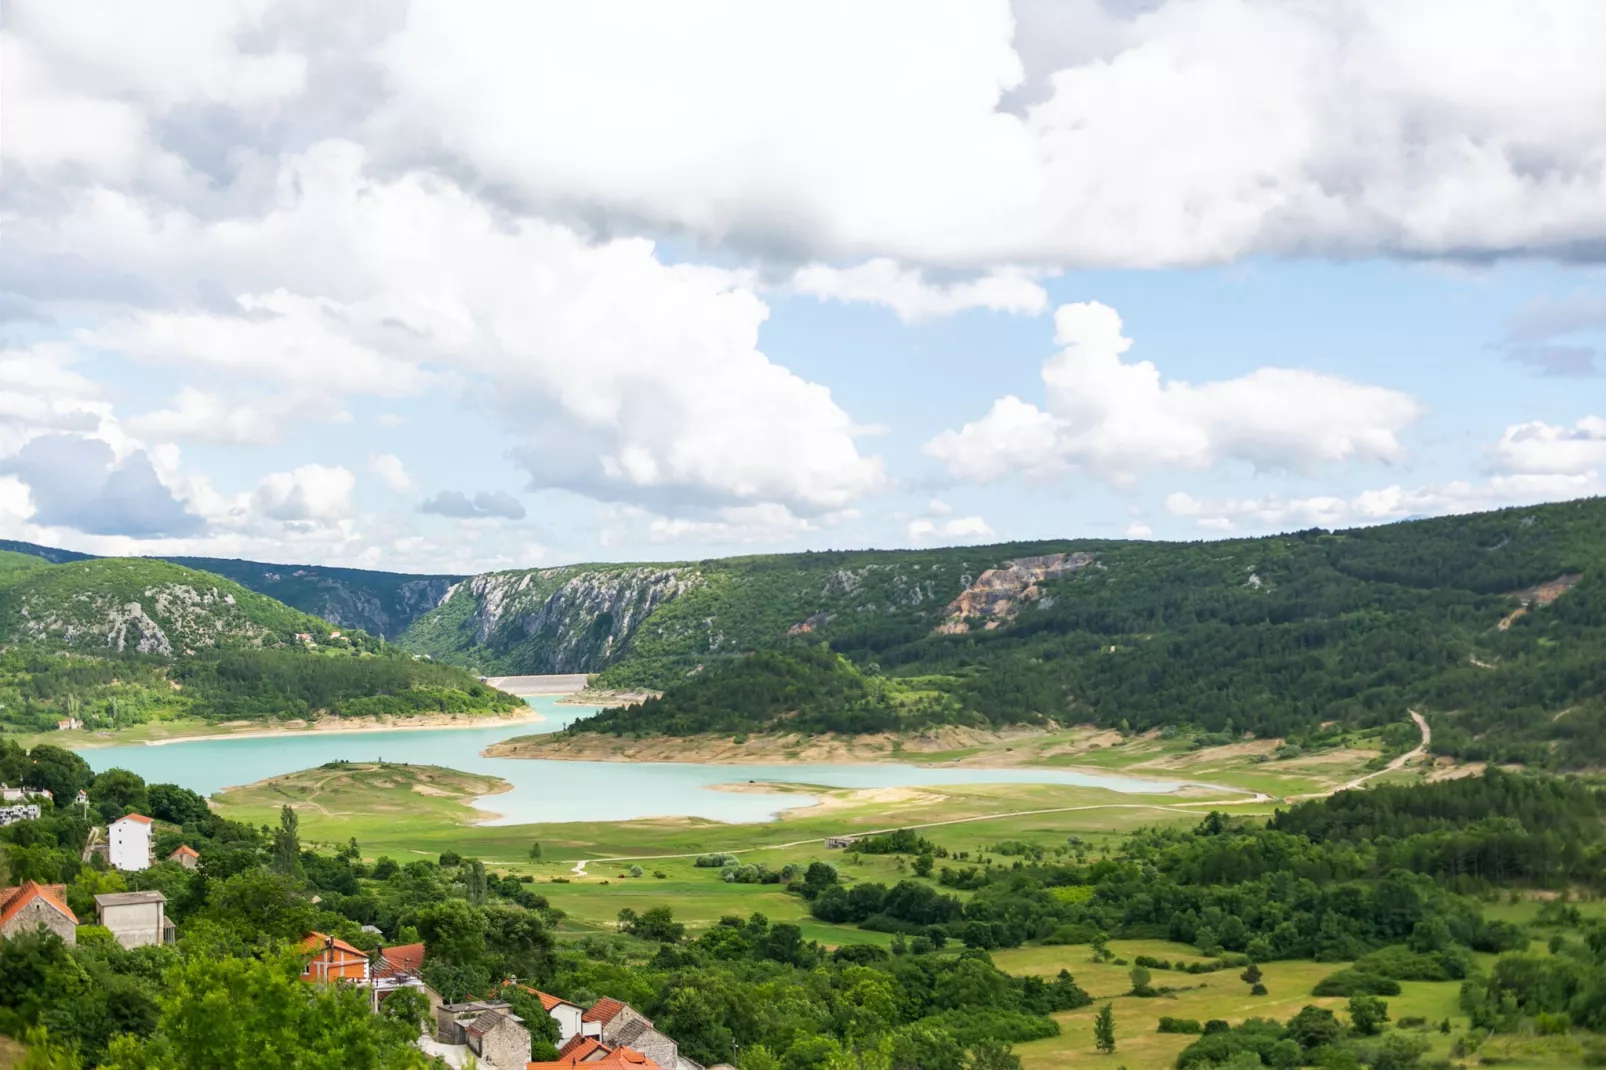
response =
{"points": [[287, 843], [535, 851], [411, 1007], [993, 1055], [1140, 981], [1367, 1015], [1251, 976], [923, 864], [117, 792], [1104, 1030], [474, 882], [58, 771]]}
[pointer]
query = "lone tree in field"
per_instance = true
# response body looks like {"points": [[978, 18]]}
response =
{"points": [[535, 851], [1104, 1030], [1251, 976]]}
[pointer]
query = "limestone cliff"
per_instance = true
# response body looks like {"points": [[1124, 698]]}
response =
{"points": [[998, 593]]}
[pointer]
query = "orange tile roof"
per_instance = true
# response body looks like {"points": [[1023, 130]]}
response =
{"points": [[12, 900], [321, 941], [184, 850], [577, 1042], [614, 1057], [141, 818], [548, 1001], [405, 957], [603, 1010]]}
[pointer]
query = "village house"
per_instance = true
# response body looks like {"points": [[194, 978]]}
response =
{"points": [[331, 959], [185, 855], [37, 906], [622, 1026], [18, 795], [569, 1016], [591, 1052], [129, 839], [487, 1028], [68, 723], [398, 967], [136, 919], [10, 815]]}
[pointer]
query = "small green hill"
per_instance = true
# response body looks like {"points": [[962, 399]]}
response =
{"points": [[138, 605]]}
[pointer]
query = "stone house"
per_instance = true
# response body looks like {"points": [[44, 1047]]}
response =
{"points": [[136, 919], [594, 1054], [622, 1026], [185, 855], [499, 1039], [37, 906], [489, 1029]]}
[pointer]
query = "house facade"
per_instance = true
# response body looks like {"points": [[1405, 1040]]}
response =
{"points": [[129, 844], [330, 959], [489, 1029], [569, 1016], [136, 919], [622, 1026], [37, 906], [186, 856]]}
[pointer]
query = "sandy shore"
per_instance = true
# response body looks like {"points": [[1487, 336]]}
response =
{"points": [[325, 726]]}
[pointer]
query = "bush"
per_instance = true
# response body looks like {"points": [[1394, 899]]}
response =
{"points": [[718, 861], [1356, 983], [1179, 1025]]}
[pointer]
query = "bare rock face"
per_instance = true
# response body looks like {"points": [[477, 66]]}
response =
{"points": [[997, 594]]}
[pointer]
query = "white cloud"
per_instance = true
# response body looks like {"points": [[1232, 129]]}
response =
{"points": [[195, 414], [1538, 448], [938, 507], [1540, 462], [730, 525], [391, 472], [647, 378], [1138, 530], [1177, 132], [311, 492], [964, 527], [1115, 419], [906, 291]]}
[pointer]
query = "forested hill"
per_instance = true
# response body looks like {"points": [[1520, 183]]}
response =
{"points": [[380, 603], [1492, 625], [118, 641]]}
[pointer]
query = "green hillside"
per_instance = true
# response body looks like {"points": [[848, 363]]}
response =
{"points": [[380, 603], [1493, 626], [115, 642]]}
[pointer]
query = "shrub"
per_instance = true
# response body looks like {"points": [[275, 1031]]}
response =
{"points": [[1356, 983], [718, 861], [1179, 1025]]}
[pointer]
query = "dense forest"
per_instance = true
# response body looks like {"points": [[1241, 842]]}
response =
{"points": [[1359, 884], [1491, 625]]}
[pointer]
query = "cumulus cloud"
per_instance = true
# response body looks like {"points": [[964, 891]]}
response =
{"points": [[1177, 131], [1553, 336], [311, 493], [1115, 419], [77, 482], [457, 504], [959, 528], [731, 525], [1534, 462], [200, 416], [907, 292], [1539, 448], [391, 472]]}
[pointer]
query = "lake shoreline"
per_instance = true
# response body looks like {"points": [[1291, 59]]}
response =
{"points": [[330, 726]]}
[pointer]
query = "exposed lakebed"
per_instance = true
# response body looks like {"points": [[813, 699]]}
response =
{"points": [[544, 791]]}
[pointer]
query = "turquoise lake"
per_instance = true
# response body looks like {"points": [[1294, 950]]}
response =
{"points": [[556, 791]]}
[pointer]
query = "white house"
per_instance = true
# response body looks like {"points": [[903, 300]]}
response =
{"points": [[130, 842], [568, 1016]]}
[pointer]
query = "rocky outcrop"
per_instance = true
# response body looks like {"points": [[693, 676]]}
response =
{"points": [[997, 594], [165, 619], [566, 620]]}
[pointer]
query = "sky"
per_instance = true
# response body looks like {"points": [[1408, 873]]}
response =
{"points": [[469, 285]]}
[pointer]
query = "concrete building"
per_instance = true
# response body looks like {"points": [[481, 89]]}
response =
{"points": [[136, 919], [569, 1016], [37, 906], [129, 842], [331, 959], [15, 812], [185, 855]]}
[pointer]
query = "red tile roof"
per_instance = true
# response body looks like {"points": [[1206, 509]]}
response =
{"points": [[184, 850], [603, 1010], [613, 1057], [404, 957], [577, 1042], [141, 818], [548, 1001], [322, 941], [12, 900]]}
